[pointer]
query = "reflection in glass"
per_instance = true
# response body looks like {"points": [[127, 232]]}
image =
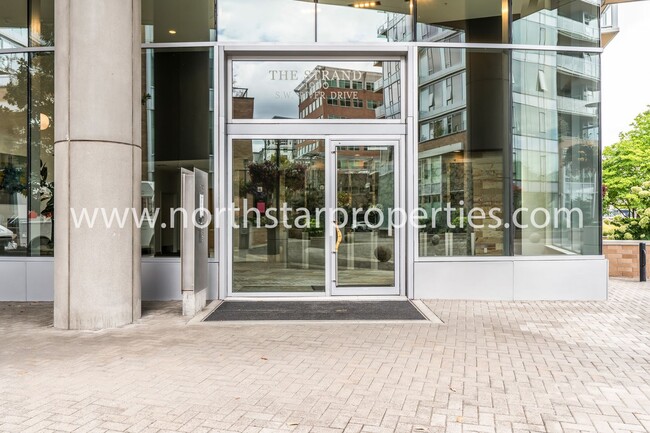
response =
{"points": [[463, 123], [178, 133], [566, 23], [477, 21], [26, 23], [310, 90], [267, 176], [365, 191], [178, 20], [556, 96], [266, 21], [388, 21], [26, 154]]}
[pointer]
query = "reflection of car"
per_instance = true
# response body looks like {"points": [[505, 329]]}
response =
{"points": [[6, 236], [360, 227], [40, 233]]}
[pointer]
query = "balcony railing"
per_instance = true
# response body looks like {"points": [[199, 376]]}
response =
{"points": [[577, 28], [578, 66], [583, 107]]}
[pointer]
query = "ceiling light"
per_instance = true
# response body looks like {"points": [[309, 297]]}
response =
{"points": [[365, 4], [172, 32]]}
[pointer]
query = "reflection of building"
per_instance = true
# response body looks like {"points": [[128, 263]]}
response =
{"points": [[335, 93]]}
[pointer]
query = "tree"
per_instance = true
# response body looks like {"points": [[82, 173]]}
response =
{"points": [[626, 165]]}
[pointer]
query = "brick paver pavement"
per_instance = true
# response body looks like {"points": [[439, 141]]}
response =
{"points": [[492, 366]]}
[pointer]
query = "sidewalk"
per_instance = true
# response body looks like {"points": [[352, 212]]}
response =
{"points": [[492, 366]]}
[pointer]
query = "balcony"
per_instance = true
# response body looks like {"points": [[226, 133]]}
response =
{"points": [[380, 112], [378, 85], [578, 29], [583, 107], [578, 66]]}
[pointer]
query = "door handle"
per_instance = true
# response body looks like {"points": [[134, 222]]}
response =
{"points": [[339, 238]]}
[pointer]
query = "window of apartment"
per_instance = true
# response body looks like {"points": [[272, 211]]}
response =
{"points": [[332, 101], [344, 84], [357, 85], [345, 102], [372, 104], [357, 103], [370, 86]]}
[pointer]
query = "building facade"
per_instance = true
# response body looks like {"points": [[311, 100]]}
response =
{"points": [[416, 149]]}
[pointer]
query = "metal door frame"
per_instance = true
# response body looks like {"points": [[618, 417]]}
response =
{"points": [[399, 203]]}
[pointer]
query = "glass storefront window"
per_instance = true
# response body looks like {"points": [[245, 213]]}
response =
{"points": [[165, 21], [556, 98], [313, 90], [266, 21], [567, 23], [26, 154], [343, 22], [463, 138], [177, 113], [26, 23], [476, 21]]}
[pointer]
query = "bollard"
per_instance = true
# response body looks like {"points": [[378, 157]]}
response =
{"points": [[642, 261]]}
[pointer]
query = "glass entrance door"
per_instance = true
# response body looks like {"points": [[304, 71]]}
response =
{"points": [[313, 217], [365, 224]]}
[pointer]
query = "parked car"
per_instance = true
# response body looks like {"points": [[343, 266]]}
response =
{"points": [[6, 237]]}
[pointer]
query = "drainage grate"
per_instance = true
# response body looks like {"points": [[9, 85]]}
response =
{"points": [[315, 310]]}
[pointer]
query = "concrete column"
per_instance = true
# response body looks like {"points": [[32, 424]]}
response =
{"points": [[97, 162]]}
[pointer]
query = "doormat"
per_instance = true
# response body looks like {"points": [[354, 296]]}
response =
{"points": [[315, 310]]}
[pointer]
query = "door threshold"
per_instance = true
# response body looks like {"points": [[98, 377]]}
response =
{"points": [[312, 298]]}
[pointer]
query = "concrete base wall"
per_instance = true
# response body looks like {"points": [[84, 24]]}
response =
{"points": [[509, 279], [623, 258], [33, 280], [576, 279]]}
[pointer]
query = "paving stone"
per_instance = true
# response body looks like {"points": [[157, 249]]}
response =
{"points": [[491, 367]]}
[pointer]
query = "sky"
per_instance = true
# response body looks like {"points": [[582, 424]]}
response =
{"points": [[626, 71]]}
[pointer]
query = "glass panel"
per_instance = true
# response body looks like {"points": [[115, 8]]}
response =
{"points": [[365, 192], [26, 154], [312, 90], [14, 191], [41, 199], [13, 24], [566, 23], [178, 20], [266, 21], [478, 21], [278, 233], [556, 99], [41, 23], [346, 21], [178, 127], [17, 15], [463, 122]]}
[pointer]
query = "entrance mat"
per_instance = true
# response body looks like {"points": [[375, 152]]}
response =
{"points": [[280, 289], [315, 310]]}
